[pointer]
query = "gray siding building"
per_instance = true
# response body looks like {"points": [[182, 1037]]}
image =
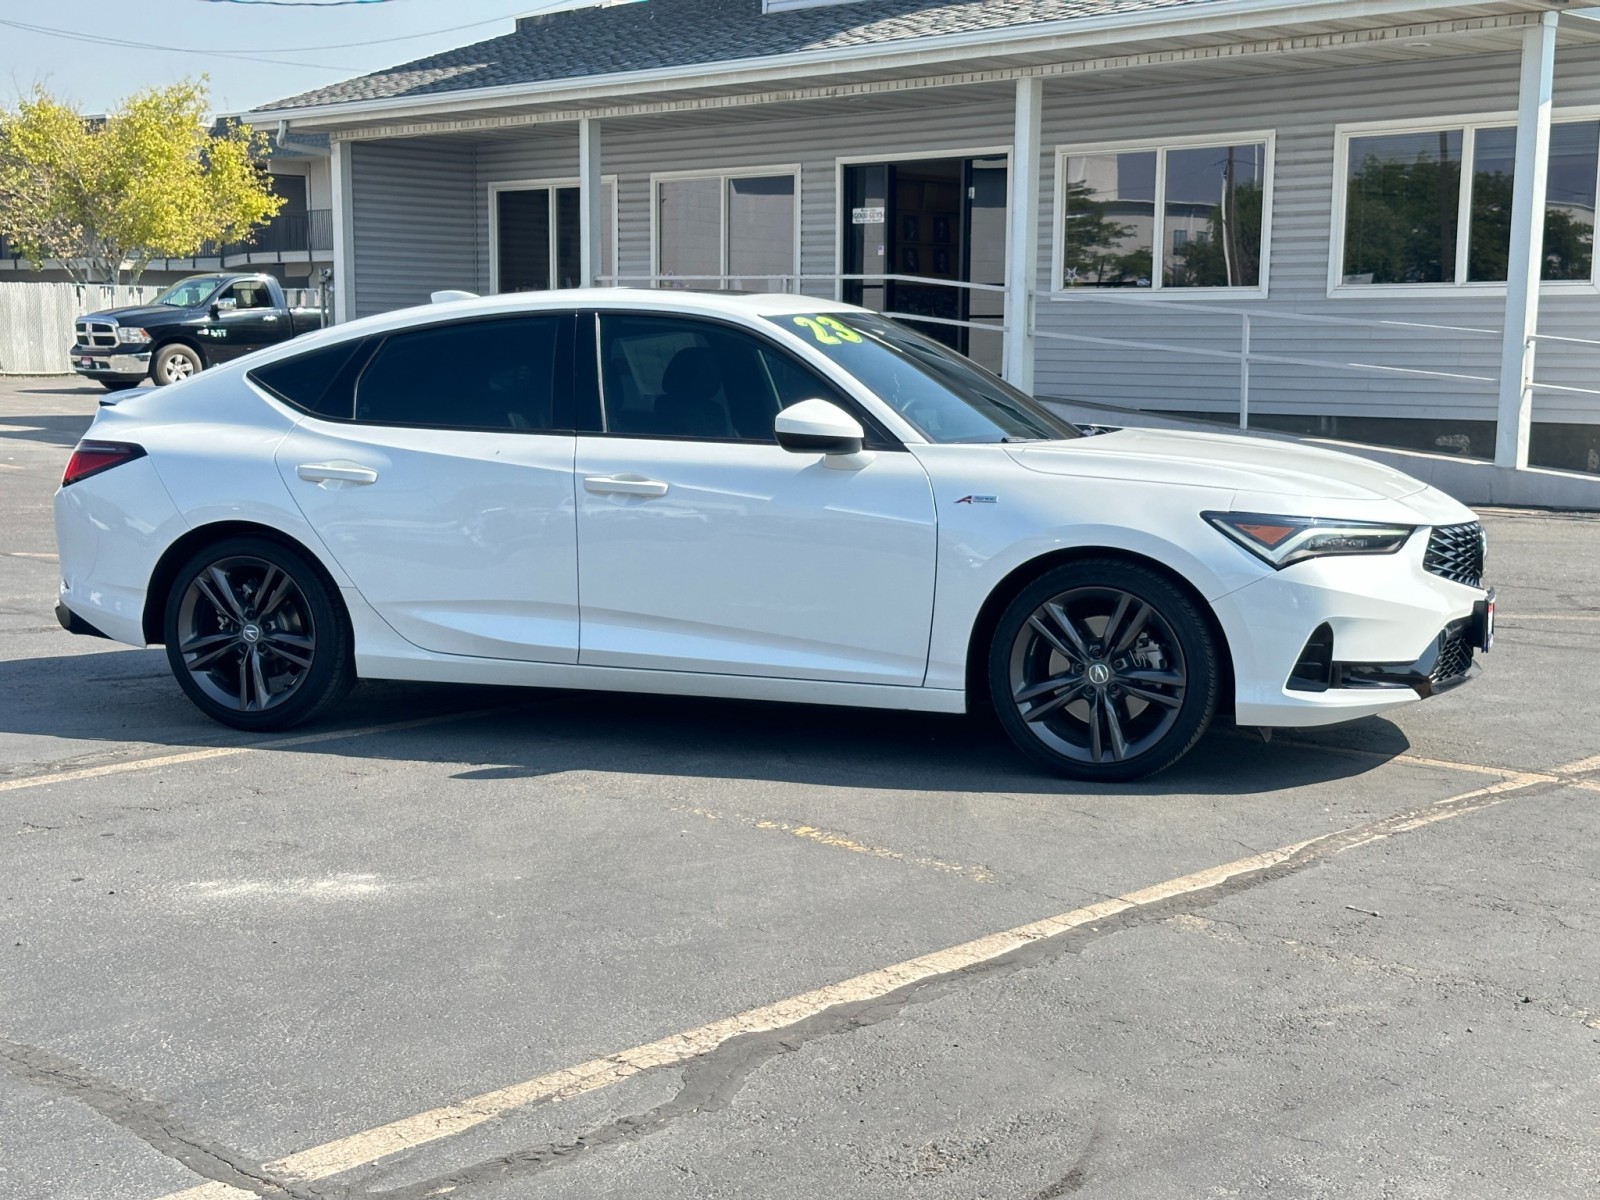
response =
{"points": [[1359, 220]]}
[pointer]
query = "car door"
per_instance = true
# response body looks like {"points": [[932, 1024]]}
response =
{"points": [[704, 546], [248, 323], [441, 481]]}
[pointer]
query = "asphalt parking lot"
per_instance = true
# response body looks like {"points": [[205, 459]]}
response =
{"points": [[492, 944]]}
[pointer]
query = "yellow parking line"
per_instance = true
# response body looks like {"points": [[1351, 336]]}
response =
{"points": [[841, 841], [188, 756], [359, 1149]]}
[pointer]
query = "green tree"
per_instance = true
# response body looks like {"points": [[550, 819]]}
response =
{"points": [[1400, 222], [1091, 243], [104, 196], [1229, 255]]}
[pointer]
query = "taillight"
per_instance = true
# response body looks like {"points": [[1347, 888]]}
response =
{"points": [[90, 458]]}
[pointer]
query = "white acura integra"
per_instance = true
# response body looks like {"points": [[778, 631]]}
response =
{"points": [[761, 497]]}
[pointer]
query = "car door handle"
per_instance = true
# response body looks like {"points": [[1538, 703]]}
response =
{"points": [[337, 473], [269, 317], [624, 485]]}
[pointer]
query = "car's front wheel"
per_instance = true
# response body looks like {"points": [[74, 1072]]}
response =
{"points": [[255, 636], [1104, 670], [175, 363]]}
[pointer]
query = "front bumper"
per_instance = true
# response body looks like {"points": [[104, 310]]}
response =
{"points": [[105, 364], [1396, 633]]}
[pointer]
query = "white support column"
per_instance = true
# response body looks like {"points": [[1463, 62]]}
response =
{"points": [[342, 180], [1527, 243], [1022, 243], [590, 203]]}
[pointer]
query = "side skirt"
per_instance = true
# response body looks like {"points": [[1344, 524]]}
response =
{"points": [[426, 668]]}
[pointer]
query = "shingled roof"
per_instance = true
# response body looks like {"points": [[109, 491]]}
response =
{"points": [[656, 34]]}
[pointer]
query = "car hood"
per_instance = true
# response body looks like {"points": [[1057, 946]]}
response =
{"points": [[1256, 467], [136, 315]]}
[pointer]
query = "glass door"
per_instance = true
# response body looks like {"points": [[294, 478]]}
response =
{"points": [[934, 220]]}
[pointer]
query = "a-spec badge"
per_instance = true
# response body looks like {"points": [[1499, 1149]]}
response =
{"points": [[979, 500]]}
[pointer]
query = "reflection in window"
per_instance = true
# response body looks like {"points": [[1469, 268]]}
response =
{"points": [[1208, 218], [1405, 203], [1110, 206], [1401, 209], [1214, 215]]}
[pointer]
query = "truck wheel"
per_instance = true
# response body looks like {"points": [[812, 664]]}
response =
{"points": [[175, 363], [118, 385]]}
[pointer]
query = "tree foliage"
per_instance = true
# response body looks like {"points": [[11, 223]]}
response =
{"points": [[104, 196]]}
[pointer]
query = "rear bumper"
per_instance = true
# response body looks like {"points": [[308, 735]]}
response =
{"points": [[73, 623], [104, 364]]}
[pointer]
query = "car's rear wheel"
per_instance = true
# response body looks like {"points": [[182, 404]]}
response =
{"points": [[255, 636], [1104, 670], [175, 363]]}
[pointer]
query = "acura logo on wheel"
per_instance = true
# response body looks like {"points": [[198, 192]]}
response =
{"points": [[1099, 674]]}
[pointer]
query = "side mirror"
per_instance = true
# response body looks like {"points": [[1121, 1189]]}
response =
{"points": [[226, 304], [818, 427]]}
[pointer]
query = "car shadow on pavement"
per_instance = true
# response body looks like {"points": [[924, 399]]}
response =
{"points": [[517, 733], [56, 429]]}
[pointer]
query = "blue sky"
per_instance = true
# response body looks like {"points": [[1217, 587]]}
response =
{"points": [[96, 76]]}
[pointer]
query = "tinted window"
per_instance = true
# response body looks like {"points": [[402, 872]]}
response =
{"points": [[250, 293], [494, 374], [945, 397], [671, 377], [319, 382]]}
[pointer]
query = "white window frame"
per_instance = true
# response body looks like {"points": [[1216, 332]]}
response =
{"points": [[1160, 146], [1469, 124], [724, 176], [542, 185]]}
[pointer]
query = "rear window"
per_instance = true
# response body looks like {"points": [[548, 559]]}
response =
{"points": [[320, 382]]}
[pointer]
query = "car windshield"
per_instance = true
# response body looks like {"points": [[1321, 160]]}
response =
{"points": [[191, 292], [946, 397]]}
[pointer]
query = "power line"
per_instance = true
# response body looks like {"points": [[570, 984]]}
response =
{"points": [[78, 35], [96, 40]]}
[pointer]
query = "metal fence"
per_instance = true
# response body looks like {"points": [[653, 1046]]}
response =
{"points": [[36, 319]]}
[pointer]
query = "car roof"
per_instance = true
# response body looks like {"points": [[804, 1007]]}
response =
{"points": [[668, 300]]}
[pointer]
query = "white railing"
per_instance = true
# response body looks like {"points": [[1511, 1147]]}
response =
{"points": [[793, 284], [1560, 387], [1246, 355]]}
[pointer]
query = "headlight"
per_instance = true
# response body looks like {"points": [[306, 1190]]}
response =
{"points": [[136, 336], [1284, 540]]}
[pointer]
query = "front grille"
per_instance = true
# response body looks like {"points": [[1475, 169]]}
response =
{"points": [[100, 334], [1455, 552], [1455, 655]]}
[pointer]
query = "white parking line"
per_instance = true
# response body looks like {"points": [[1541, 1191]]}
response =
{"points": [[188, 756], [359, 1149]]}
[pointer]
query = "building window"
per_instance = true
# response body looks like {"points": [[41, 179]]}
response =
{"points": [[1433, 206], [537, 235], [1205, 205], [725, 230]]}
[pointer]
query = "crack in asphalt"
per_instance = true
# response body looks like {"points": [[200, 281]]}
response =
{"points": [[711, 1081], [146, 1119]]}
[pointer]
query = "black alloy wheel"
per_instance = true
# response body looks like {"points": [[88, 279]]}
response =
{"points": [[1103, 670], [255, 637]]}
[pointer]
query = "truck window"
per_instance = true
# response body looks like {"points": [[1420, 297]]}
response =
{"points": [[251, 293]]}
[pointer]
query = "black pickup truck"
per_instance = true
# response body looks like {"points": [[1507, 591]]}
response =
{"points": [[195, 323]]}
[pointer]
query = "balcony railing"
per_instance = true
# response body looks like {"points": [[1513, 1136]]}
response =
{"points": [[309, 233]]}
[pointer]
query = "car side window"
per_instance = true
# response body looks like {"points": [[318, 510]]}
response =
{"points": [[320, 382], [683, 378], [250, 294], [498, 373]]}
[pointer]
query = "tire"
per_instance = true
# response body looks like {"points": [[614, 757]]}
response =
{"points": [[1103, 670], [175, 362], [255, 636], [119, 385]]}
